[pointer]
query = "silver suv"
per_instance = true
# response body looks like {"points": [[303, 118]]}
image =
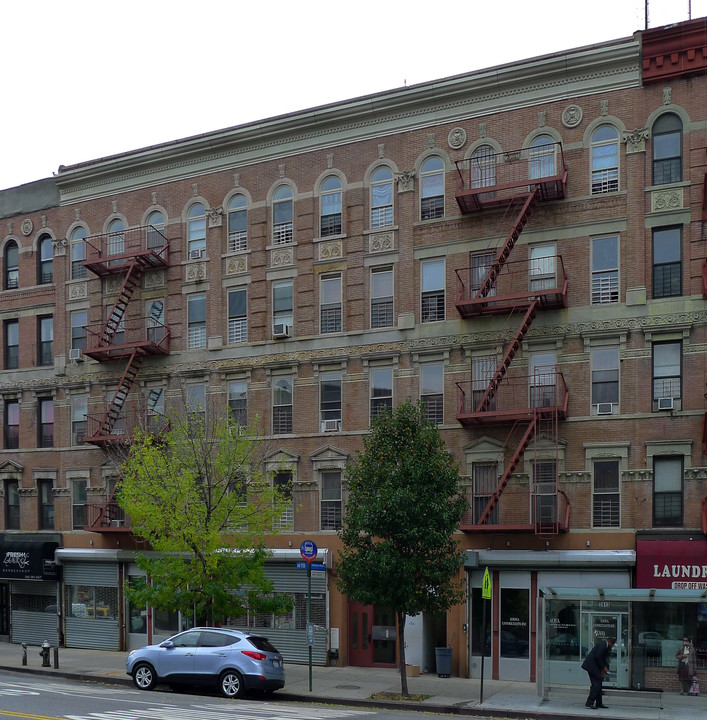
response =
{"points": [[234, 661]]}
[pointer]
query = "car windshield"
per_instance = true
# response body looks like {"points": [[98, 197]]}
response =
{"points": [[262, 643]]}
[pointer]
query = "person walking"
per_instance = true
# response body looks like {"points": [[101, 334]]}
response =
{"points": [[686, 657], [597, 666]]}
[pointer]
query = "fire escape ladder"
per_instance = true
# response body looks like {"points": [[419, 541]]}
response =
{"points": [[126, 382], [508, 356], [510, 469], [115, 316], [520, 221]]}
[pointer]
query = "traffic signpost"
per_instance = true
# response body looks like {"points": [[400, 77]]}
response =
{"points": [[308, 550], [485, 597]]}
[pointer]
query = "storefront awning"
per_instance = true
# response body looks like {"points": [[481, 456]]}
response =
{"points": [[533, 559], [623, 594]]}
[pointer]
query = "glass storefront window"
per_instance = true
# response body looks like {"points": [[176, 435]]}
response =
{"points": [[515, 629], [476, 624]]}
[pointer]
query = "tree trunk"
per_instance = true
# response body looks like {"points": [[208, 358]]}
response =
{"points": [[401, 645]]}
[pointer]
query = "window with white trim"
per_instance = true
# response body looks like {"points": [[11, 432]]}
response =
{"points": [[79, 409], [543, 267], [330, 499], [483, 167], [282, 304], [78, 253], [381, 390], [330, 310], [330, 401], [668, 491], [432, 188], [543, 380], [155, 238], [238, 401], [483, 368], [544, 501], [432, 300], [606, 497], [237, 224], [282, 214], [12, 266], [666, 140], [605, 380], [480, 264], [237, 316], [381, 297], [605, 160], [196, 321], [381, 197], [330, 207], [282, 391], [541, 157], [605, 270], [78, 504], [484, 479], [196, 231], [79, 319], [667, 375], [432, 391], [667, 261], [116, 239], [45, 260]]}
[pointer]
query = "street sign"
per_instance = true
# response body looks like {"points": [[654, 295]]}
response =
{"points": [[486, 586], [301, 565], [310, 634], [318, 566], [308, 550]]}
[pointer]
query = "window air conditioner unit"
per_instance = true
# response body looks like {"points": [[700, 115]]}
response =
{"points": [[605, 408], [281, 330], [665, 403], [196, 254], [331, 425], [75, 354]]}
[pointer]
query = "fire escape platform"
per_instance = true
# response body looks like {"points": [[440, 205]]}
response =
{"points": [[563, 522], [495, 180], [115, 253]]}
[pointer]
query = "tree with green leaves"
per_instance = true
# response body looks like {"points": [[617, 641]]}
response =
{"points": [[194, 493], [404, 506]]}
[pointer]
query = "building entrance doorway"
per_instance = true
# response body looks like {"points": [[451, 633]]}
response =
{"points": [[372, 635], [597, 626]]}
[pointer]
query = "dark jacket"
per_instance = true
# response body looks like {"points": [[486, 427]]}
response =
{"points": [[598, 659]]}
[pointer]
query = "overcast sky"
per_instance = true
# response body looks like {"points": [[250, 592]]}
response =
{"points": [[83, 79]]}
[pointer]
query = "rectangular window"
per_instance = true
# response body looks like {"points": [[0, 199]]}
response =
{"points": [[196, 320], [432, 290], [606, 498], [79, 408], [605, 379], [381, 297], [12, 505], [543, 380], [381, 391], [238, 401], [79, 320], [237, 317], [667, 376], [156, 420], [483, 368], [282, 483], [667, 492], [330, 401], [480, 264], [605, 270], [45, 490], [45, 411], [12, 344], [331, 500], [544, 505], [484, 480], [543, 267], [330, 304], [196, 399], [12, 425], [78, 254], [667, 262], [282, 306], [282, 406], [432, 391], [45, 345], [78, 504]]}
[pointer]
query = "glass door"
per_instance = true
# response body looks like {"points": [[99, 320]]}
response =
{"points": [[597, 626]]}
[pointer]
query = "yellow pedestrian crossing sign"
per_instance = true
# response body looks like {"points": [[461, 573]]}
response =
{"points": [[486, 586]]}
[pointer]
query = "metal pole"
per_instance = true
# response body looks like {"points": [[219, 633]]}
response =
{"points": [[309, 618], [483, 650]]}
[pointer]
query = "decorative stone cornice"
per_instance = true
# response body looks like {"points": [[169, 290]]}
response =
{"points": [[635, 140]]}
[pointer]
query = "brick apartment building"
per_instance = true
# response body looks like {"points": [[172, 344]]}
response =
{"points": [[523, 248]]}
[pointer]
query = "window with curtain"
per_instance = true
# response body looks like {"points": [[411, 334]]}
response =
{"points": [[381, 198], [605, 160], [330, 199]]}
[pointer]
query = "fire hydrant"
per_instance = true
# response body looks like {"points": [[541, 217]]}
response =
{"points": [[44, 653]]}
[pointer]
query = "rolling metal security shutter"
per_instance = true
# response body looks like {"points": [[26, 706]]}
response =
{"points": [[34, 628], [101, 633]]}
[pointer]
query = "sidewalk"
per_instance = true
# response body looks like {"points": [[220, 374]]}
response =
{"points": [[354, 686]]}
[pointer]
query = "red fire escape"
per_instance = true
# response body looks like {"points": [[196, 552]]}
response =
{"points": [[123, 337], [532, 404]]}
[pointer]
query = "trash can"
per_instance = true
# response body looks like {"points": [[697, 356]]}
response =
{"points": [[443, 658]]}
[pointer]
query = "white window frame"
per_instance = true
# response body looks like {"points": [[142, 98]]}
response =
{"points": [[238, 323], [432, 391], [382, 301], [605, 160], [605, 275], [432, 290], [283, 207], [432, 172], [330, 303], [196, 229], [382, 208], [237, 215], [196, 329]]}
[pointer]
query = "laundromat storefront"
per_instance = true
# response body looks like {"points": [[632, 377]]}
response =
{"points": [[29, 578]]}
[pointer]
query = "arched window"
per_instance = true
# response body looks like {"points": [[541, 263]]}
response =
{"points": [[116, 239], [45, 260], [237, 223], [330, 207], [196, 231], [542, 157], [381, 197], [282, 211], [483, 167], [667, 149], [432, 188], [155, 227], [78, 253], [12, 266], [605, 160]]}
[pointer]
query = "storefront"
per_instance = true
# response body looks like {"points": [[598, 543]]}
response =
{"points": [[505, 629], [29, 586]]}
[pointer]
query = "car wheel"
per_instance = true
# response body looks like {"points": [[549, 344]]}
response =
{"points": [[144, 677], [231, 684]]}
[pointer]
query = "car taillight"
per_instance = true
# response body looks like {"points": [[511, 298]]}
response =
{"points": [[255, 655]]}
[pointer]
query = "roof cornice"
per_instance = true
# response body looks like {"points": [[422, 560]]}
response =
{"points": [[584, 71]]}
